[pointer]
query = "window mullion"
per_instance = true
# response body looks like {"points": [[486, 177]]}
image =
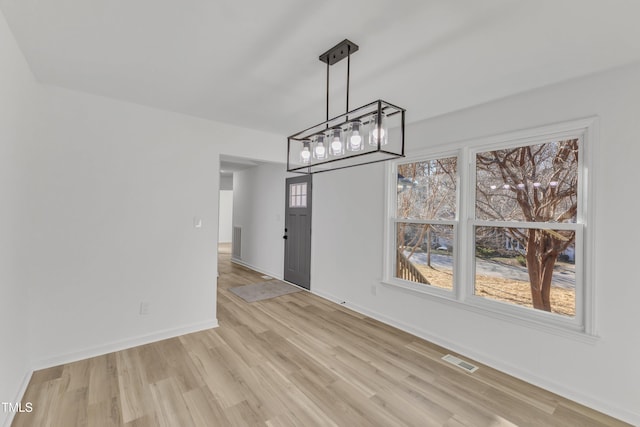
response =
{"points": [[464, 265], [424, 221], [390, 224], [525, 224]]}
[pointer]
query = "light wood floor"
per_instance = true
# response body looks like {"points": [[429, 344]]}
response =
{"points": [[295, 360]]}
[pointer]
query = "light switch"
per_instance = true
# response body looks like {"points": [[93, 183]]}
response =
{"points": [[197, 222]]}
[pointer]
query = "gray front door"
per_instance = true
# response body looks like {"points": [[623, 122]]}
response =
{"points": [[297, 231]]}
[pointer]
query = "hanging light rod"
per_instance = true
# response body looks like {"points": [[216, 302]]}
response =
{"points": [[357, 137]]}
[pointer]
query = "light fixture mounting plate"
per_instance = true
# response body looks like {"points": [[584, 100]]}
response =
{"points": [[339, 52]]}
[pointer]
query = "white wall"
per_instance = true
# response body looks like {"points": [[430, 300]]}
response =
{"points": [[225, 218], [97, 215], [98, 205], [115, 188], [258, 207], [226, 182], [347, 235], [17, 98]]}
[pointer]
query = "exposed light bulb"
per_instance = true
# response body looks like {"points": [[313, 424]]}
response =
{"points": [[336, 148], [355, 139], [319, 150], [378, 133], [305, 154]]}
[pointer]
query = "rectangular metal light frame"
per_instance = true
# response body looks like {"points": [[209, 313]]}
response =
{"points": [[371, 154]]}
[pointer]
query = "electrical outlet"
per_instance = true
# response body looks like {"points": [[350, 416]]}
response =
{"points": [[144, 308]]}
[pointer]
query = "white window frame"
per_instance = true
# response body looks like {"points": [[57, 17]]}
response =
{"points": [[393, 220], [582, 326]]}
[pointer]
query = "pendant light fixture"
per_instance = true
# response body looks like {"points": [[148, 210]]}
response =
{"points": [[368, 134]]}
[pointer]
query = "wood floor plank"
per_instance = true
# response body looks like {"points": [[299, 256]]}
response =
{"points": [[204, 407], [105, 413], [170, 407], [219, 379], [103, 380], [45, 398], [44, 375], [134, 393], [465, 411], [295, 360], [72, 408]]}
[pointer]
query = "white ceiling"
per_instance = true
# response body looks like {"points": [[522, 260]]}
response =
{"points": [[255, 63]]}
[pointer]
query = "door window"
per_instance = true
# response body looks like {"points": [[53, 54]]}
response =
{"points": [[298, 195]]}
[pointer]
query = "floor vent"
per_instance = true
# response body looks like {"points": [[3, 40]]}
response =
{"points": [[460, 363], [236, 243]]}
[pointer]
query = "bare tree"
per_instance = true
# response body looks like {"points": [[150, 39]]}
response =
{"points": [[535, 183], [429, 193]]}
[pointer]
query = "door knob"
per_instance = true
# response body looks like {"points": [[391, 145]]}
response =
{"points": [[285, 237]]}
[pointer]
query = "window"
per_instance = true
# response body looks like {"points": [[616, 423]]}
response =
{"points": [[527, 195], [505, 234], [298, 195], [425, 221]]}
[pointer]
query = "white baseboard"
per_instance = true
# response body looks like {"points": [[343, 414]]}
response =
{"points": [[123, 344], [576, 396], [18, 398], [258, 269]]}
